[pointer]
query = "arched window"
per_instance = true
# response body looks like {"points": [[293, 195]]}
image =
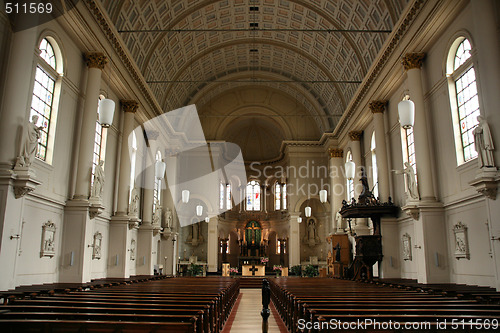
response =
{"points": [[46, 91], [374, 166], [464, 99], [283, 196], [225, 196], [157, 185], [133, 157], [350, 182], [99, 142], [277, 196], [229, 198], [253, 195], [222, 195]]}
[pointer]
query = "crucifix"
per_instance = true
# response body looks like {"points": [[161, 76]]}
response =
{"points": [[253, 270]]}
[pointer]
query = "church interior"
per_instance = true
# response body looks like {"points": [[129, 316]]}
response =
{"points": [[277, 139]]}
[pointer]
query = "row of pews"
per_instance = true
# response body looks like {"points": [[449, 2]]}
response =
{"points": [[325, 304], [194, 305]]}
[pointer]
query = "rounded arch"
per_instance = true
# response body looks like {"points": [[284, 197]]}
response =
{"points": [[56, 45], [451, 49]]}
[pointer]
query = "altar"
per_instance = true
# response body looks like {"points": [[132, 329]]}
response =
{"points": [[253, 270]]}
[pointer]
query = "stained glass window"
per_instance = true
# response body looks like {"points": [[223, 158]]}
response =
{"points": [[253, 196], [41, 105]]}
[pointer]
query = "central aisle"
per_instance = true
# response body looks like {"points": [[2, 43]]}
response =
{"points": [[246, 317]]}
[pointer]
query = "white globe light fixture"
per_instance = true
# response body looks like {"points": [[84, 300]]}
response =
{"points": [[106, 112], [160, 167], [207, 219], [299, 219], [308, 211], [350, 169], [323, 194], [199, 210], [185, 196], [406, 111]]}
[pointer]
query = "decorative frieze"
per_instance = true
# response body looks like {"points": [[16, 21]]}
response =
{"points": [[129, 106], [355, 135], [377, 106], [336, 152], [96, 60], [413, 60]]}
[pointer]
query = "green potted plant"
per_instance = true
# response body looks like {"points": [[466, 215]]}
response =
{"points": [[194, 270], [296, 270], [311, 271]]}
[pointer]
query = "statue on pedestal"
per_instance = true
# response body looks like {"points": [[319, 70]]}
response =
{"points": [[157, 213], [411, 181], [483, 143], [133, 208], [31, 143], [98, 186]]}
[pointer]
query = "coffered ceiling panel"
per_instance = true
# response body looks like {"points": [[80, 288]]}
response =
{"points": [[315, 51]]}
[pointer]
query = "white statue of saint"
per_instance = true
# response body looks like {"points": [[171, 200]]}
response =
{"points": [[339, 220], [98, 186], [157, 213], [133, 208], [483, 143], [168, 218], [31, 144], [411, 181]]}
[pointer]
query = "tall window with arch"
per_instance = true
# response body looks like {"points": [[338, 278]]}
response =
{"points": [[277, 196], [46, 91], [253, 196], [157, 185], [350, 182], [464, 99], [222, 195], [225, 196], [99, 143], [133, 158], [229, 199], [373, 147]]}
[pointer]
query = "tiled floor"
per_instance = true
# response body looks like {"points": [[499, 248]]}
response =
{"points": [[247, 317]]}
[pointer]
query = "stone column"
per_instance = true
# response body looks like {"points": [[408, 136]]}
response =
{"points": [[16, 95], [78, 227], [378, 108], [146, 240], [95, 63], [14, 111], [120, 233], [294, 240], [129, 108], [355, 138], [487, 73], [337, 186], [412, 62], [212, 244]]}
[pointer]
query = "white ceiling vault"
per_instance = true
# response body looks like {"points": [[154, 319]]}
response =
{"points": [[296, 53]]}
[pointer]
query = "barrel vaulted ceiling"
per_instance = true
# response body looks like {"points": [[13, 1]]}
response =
{"points": [[290, 46]]}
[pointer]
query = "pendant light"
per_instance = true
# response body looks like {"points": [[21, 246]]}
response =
{"points": [[185, 196], [199, 210], [299, 219], [160, 167], [308, 211], [323, 196], [406, 111], [106, 112], [350, 169], [207, 219]]}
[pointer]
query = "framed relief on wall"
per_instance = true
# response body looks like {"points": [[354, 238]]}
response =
{"points": [[48, 239], [96, 253], [406, 247], [461, 241]]}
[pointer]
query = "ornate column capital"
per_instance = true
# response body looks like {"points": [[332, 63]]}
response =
{"points": [[377, 106], [129, 106], [355, 135], [96, 60], [413, 60], [336, 152]]}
